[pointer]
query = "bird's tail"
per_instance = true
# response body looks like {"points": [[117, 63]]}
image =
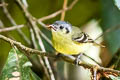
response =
{"points": [[99, 44]]}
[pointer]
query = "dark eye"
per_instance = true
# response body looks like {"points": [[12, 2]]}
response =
{"points": [[61, 27], [67, 30]]}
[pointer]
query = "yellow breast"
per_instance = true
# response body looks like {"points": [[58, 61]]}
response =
{"points": [[65, 45]]}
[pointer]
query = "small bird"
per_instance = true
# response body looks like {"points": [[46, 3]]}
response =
{"points": [[70, 40]]}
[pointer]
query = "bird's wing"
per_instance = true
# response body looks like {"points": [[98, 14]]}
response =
{"points": [[81, 37]]}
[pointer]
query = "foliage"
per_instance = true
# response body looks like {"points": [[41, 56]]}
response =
{"points": [[18, 67], [110, 19]]}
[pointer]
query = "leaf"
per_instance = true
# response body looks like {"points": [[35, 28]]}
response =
{"points": [[4, 50], [117, 3], [111, 18], [17, 67], [114, 78]]}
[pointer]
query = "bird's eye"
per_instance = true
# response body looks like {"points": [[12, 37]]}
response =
{"points": [[61, 27]]}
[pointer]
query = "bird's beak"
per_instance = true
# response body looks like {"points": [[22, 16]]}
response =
{"points": [[51, 27]]}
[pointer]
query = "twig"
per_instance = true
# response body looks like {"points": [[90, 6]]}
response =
{"points": [[21, 47], [92, 59], [33, 38], [67, 58], [11, 28], [57, 12], [63, 12], [33, 25], [94, 70], [44, 36], [1, 24], [36, 47], [108, 31], [72, 4], [49, 16], [95, 75], [20, 26], [45, 58], [13, 22], [3, 4]]}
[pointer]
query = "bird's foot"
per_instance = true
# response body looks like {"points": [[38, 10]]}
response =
{"points": [[94, 70], [78, 60], [58, 57]]}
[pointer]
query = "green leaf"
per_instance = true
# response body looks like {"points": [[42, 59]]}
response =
{"points": [[18, 67], [111, 18], [117, 3], [114, 78], [4, 50]]}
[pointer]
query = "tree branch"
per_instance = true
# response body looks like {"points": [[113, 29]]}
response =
{"points": [[44, 36], [63, 12], [57, 12], [67, 58], [13, 22], [21, 26], [34, 26], [36, 47], [3, 4], [11, 28]]}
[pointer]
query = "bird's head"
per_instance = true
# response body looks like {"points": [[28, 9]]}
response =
{"points": [[61, 27]]}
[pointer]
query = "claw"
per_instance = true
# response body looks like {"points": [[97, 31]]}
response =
{"points": [[78, 60]]}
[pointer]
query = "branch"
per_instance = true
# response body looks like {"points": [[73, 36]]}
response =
{"points": [[5, 10], [108, 31], [1, 24], [22, 47], [67, 58], [11, 28], [44, 36], [57, 12], [63, 12], [34, 26], [3, 4], [21, 26], [36, 47]]}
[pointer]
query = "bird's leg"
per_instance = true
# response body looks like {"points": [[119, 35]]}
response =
{"points": [[78, 60], [58, 56], [94, 70]]}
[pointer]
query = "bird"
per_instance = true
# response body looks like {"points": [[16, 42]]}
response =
{"points": [[70, 40]]}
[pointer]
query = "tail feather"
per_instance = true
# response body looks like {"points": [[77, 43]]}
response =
{"points": [[99, 44]]}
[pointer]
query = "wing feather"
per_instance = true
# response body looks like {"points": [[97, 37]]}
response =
{"points": [[81, 37]]}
